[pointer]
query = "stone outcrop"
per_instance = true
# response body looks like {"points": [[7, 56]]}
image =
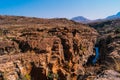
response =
{"points": [[108, 75], [53, 49], [109, 44], [8, 47]]}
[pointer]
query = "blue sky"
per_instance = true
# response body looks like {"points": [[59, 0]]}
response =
{"points": [[91, 9]]}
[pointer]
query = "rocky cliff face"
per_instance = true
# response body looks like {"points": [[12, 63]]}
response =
{"points": [[109, 43], [39, 49]]}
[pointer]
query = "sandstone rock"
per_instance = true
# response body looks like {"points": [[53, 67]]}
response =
{"points": [[54, 49], [8, 47], [108, 75]]}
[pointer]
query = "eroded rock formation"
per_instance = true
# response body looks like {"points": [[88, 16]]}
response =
{"points": [[53, 49]]}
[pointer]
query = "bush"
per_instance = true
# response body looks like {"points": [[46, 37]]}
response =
{"points": [[26, 77], [82, 48], [52, 76]]}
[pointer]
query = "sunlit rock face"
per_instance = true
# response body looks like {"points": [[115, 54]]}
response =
{"points": [[43, 49]]}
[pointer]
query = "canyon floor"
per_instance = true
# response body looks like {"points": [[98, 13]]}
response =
{"points": [[57, 49]]}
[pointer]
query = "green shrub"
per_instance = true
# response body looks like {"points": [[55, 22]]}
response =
{"points": [[52, 76], [56, 76], [26, 77], [82, 48]]}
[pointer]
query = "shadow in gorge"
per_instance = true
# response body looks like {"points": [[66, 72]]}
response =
{"points": [[1, 76], [94, 59], [37, 73]]}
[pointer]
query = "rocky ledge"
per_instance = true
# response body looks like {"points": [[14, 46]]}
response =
{"points": [[44, 49]]}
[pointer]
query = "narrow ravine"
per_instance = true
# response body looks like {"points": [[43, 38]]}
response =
{"points": [[96, 55]]}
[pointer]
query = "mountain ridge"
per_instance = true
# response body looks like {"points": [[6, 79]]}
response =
{"points": [[85, 20], [114, 16], [81, 19]]}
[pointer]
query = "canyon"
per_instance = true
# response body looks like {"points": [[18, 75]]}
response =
{"points": [[56, 49]]}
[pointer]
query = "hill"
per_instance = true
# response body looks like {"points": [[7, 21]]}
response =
{"points": [[84, 20], [81, 19], [117, 16]]}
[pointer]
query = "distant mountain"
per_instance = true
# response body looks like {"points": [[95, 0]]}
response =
{"points": [[80, 19], [117, 16]]}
